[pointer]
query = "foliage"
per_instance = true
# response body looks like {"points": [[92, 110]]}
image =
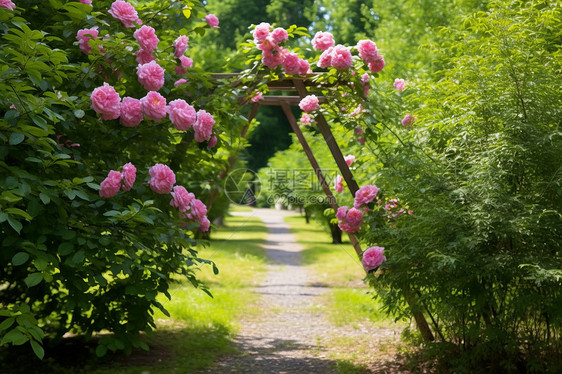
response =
{"points": [[71, 261]]}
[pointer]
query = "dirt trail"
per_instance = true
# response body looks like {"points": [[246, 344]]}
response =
{"points": [[287, 335]]}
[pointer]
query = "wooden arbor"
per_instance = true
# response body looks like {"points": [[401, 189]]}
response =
{"points": [[301, 87]]}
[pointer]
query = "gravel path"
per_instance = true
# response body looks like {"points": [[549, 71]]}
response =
{"points": [[287, 335]]}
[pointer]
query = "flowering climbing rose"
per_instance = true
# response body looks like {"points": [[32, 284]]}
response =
{"points": [[367, 50], [373, 258], [87, 2], [322, 41], [349, 220], [203, 127], [129, 175], [261, 32], [279, 34], [257, 97], [182, 115], [341, 57], [365, 195], [408, 120], [338, 184], [377, 65], [154, 106], [306, 119], [204, 224], [162, 179], [212, 20], [181, 199], [131, 112], [125, 12], [106, 101], [349, 159], [180, 46], [325, 59], [144, 56], [7, 4], [197, 211], [213, 142], [309, 103], [399, 84], [180, 81], [146, 36], [83, 36], [151, 76], [295, 65], [111, 185]]}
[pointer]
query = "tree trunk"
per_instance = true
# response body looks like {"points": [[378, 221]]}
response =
{"points": [[336, 233]]}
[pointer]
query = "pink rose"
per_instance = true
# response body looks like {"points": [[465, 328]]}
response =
{"points": [[129, 174], [338, 184], [356, 111], [145, 56], [162, 179], [349, 159], [83, 36], [361, 140], [365, 195], [186, 62], [291, 64], [212, 142], [131, 112], [180, 81], [306, 119], [7, 4], [106, 101], [273, 56], [373, 258], [181, 198], [399, 84], [125, 12], [261, 32], [257, 98], [203, 127], [325, 59], [180, 46], [377, 65], [322, 41], [111, 185], [309, 103], [204, 224], [367, 50], [179, 70], [182, 115], [154, 106], [349, 220], [279, 34], [151, 76], [87, 2], [212, 20], [146, 36], [341, 57], [359, 131], [197, 210], [408, 120]]}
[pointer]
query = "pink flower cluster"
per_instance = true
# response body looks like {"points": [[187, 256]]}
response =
{"points": [[373, 258], [408, 120], [112, 184], [83, 36], [338, 57], [322, 41], [356, 111], [203, 127], [185, 62], [154, 106], [309, 104], [182, 115], [180, 48], [365, 78], [399, 84], [369, 53], [212, 20], [274, 55], [190, 207], [359, 131], [365, 195], [257, 97], [151, 76], [87, 2], [338, 184], [349, 219], [125, 12], [148, 41], [7, 4], [306, 119], [131, 112], [294, 65]]}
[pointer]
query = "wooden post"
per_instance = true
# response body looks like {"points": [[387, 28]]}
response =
{"points": [[317, 170]]}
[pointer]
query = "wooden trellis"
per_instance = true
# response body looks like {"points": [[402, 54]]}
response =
{"points": [[299, 86]]}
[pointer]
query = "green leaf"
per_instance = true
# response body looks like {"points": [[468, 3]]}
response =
{"points": [[7, 323], [79, 113], [16, 225], [44, 198], [101, 350], [16, 138], [65, 248], [37, 349], [15, 337], [18, 212], [20, 258], [33, 279]]}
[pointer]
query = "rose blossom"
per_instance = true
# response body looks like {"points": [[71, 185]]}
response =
{"points": [[306, 119], [182, 115], [359, 130], [212, 20], [125, 12], [273, 55], [338, 184], [7, 4], [162, 179], [111, 185], [292, 64], [106, 101], [180, 81], [349, 220], [154, 106], [373, 258], [144, 56], [367, 50], [361, 140], [261, 32], [197, 210], [322, 41], [325, 59], [365, 195], [356, 111], [146, 36], [204, 224], [129, 174], [304, 67], [349, 159], [87, 2], [83, 36], [181, 198], [257, 97], [309, 103], [151, 76], [186, 62], [408, 120], [203, 127], [377, 65], [131, 112], [212, 142], [180, 46], [341, 57], [399, 84], [279, 34]]}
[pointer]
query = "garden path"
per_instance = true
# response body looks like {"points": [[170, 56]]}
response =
{"points": [[290, 332]]}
